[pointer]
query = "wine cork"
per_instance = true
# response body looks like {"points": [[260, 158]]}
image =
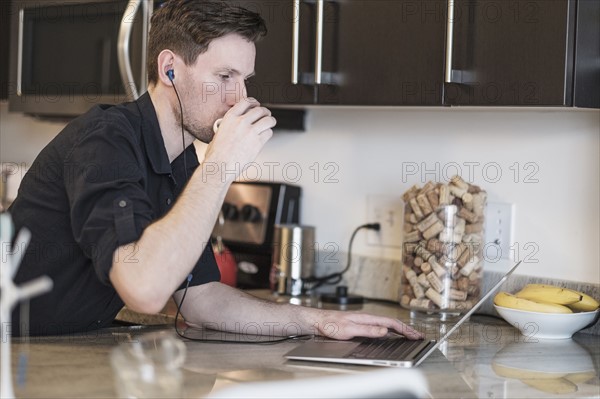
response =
{"points": [[436, 267], [424, 204], [433, 230], [467, 215], [458, 181], [422, 303], [434, 199], [411, 276], [425, 267], [428, 222], [444, 196], [457, 295], [422, 279], [412, 236], [416, 208], [435, 282], [410, 193], [436, 298]]}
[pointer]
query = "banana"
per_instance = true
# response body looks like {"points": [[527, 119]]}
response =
{"points": [[519, 373], [553, 386], [510, 301], [587, 303], [549, 294], [581, 377]]}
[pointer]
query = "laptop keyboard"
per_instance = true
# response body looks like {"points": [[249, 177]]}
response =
{"points": [[388, 349]]}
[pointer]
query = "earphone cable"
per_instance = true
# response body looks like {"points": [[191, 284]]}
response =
{"points": [[189, 278], [182, 131]]}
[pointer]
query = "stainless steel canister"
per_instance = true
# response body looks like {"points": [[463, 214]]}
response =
{"points": [[293, 258]]}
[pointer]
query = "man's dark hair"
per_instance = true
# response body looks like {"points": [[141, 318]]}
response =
{"points": [[187, 27]]}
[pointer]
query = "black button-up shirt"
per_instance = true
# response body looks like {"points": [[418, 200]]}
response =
{"points": [[94, 188]]}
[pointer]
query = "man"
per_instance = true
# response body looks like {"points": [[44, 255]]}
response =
{"points": [[100, 198]]}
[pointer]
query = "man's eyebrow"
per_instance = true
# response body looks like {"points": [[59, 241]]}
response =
{"points": [[236, 72]]}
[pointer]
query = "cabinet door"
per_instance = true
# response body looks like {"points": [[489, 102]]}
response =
{"points": [[587, 66], [512, 52], [383, 52], [272, 83]]}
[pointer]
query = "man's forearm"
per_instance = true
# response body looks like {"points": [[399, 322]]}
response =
{"points": [[217, 306]]}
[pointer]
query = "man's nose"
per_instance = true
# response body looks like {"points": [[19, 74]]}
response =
{"points": [[236, 94]]}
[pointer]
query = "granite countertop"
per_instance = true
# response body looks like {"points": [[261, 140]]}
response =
{"points": [[485, 358]]}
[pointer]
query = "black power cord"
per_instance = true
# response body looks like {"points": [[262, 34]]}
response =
{"points": [[336, 278]]}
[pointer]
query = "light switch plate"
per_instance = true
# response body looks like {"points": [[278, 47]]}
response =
{"points": [[498, 230]]}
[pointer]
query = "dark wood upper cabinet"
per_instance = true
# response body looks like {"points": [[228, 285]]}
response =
{"points": [[587, 55], [401, 52], [273, 83], [383, 52], [396, 52], [373, 52], [509, 52]]}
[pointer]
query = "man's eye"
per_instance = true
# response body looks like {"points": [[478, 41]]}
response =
{"points": [[225, 77]]}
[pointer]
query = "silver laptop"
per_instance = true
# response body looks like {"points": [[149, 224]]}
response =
{"points": [[391, 352]]}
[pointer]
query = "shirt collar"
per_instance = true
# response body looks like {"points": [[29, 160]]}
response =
{"points": [[155, 144], [152, 137]]}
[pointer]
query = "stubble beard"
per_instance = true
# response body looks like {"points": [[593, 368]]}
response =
{"points": [[200, 132]]}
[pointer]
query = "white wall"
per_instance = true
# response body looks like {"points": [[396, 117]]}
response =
{"points": [[371, 151], [22, 137], [557, 218]]}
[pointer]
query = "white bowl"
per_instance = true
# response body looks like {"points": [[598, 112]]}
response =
{"points": [[536, 325]]}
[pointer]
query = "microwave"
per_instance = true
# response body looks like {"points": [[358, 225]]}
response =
{"points": [[69, 55]]}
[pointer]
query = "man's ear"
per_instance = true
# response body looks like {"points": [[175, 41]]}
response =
{"points": [[167, 61]]}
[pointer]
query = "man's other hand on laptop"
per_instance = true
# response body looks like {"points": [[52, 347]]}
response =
{"points": [[347, 325]]}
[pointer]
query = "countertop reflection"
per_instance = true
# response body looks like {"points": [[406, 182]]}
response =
{"points": [[484, 358]]}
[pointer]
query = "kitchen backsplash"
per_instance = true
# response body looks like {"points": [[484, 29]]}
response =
{"points": [[380, 279]]}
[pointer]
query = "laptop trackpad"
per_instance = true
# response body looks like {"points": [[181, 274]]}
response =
{"points": [[324, 348]]}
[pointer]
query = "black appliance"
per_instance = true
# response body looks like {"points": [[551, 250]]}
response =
{"points": [[68, 55], [250, 212]]}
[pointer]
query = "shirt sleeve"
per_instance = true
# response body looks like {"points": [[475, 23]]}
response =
{"points": [[104, 181]]}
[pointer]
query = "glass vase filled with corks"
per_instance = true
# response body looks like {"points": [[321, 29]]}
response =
{"points": [[442, 259]]}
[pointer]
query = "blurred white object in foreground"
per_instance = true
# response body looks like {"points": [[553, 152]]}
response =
{"points": [[387, 383]]}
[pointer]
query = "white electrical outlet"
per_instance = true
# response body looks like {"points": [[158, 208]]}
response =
{"points": [[388, 211], [498, 230]]}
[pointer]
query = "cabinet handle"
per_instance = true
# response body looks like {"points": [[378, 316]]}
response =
{"points": [[295, 41], [123, 47], [449, 41], [319, 44], [20, 53]]}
